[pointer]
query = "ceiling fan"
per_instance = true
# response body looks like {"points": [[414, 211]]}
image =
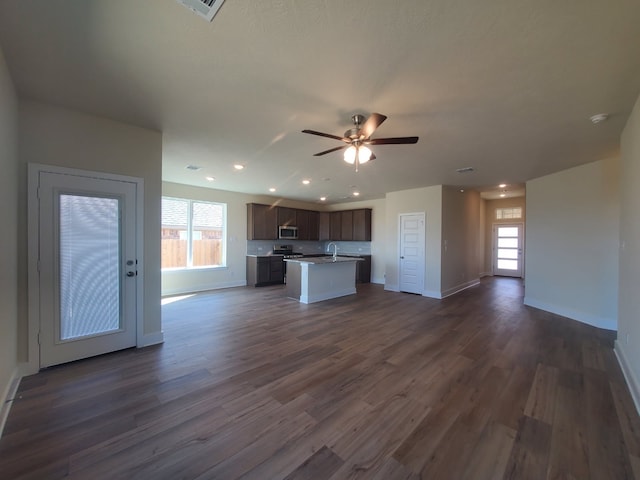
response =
{"points": [[357, 138]]}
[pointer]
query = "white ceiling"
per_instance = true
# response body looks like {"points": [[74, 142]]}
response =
{"points": [[504, 86]]}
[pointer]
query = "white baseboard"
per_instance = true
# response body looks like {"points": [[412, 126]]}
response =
{"points": [[458, 288], [8, 395], [151, 339], [593, 320], [632, 381], [432, 294], [486, 274]]}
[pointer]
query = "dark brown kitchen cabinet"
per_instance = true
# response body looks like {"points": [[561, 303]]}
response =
{"points": [[324, 226], [287, 217], [265, 270], [362, 225], [262, 222], [307, 224], [346, 229], [335, 226], [363, 269]]}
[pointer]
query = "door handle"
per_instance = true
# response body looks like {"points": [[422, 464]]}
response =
{"points": [[401, 258], [131, 274]]}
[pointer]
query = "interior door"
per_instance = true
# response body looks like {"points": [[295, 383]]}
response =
{"points": [[412, 252], [508, 250], [87, 266]]}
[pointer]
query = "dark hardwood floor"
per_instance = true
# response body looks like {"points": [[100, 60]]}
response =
{"points": [[379, 385]]}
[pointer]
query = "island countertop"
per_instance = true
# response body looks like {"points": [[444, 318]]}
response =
{"points": [[323, 260]]}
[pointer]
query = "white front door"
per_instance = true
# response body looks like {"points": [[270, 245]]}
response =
{"points": [[412, 252], [87, 266], [507, 250]]}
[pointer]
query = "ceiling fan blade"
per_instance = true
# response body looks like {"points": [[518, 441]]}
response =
{"points": [[373, 122], [391, 141], [328, 135], [329, 151]]}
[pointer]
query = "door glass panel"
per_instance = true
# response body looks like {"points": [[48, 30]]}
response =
{"points": [[507, 264], [507, 253], [507, 243], [89, 266], [507, 231]]}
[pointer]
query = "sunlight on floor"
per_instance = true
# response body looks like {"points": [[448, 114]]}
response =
{"points": [[168, 300]]}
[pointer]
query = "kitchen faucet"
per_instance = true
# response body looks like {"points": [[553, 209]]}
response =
{"points": [[335, 249]]}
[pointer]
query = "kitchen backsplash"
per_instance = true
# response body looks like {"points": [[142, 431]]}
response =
{"points": [[265, 247]]}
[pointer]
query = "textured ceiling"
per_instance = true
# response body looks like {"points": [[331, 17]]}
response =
{"points": [[504, 86]]}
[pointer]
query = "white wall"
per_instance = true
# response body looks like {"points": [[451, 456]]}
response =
{"points": [[234, 274], [9, 237], [628, 343], [378, 233], [572, 243], [460, 239], [429, 201], [54, 136]]}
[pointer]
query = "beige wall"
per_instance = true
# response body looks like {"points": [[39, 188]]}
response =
{"points": [[572, 243], [489, 215], [9, 238], [426, 200], [460, 237], [628, 343], [55, 136]]}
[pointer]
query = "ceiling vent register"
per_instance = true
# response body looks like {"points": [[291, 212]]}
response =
{"points": [[204, 8]]}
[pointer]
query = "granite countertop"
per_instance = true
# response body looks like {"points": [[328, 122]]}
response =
{"points": [[322, 260]]}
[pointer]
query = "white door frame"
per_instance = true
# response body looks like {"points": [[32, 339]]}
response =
{"points": [[34, 170], [424, 249]]}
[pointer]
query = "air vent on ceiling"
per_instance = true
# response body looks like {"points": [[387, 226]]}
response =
{"points": [[205, 8], [465, 170]]}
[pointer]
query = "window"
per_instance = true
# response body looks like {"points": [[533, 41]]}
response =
{"points": [[508, 213], [193, 233]]}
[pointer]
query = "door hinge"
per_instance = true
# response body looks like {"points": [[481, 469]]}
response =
{"points": [[38, 338], [38, 265]]}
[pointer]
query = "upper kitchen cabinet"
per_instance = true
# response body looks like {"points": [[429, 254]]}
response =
{"points": [[307, 225], [324, 226], [362, 225], [262, 222], [335, 226], [287, 217], [346, 225]]}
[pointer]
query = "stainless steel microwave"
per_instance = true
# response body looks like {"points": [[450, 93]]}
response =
{"points": [[287, 232]]}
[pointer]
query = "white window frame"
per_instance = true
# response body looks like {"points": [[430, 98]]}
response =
{"points": [[189, 229]]}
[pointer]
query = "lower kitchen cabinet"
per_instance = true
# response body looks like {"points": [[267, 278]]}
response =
{"points": [[266, 270], [363, 270]]}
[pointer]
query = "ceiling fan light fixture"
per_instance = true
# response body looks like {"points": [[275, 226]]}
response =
{"points": [[363, 154]]}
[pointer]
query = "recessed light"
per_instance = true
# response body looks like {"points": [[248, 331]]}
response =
{"points": [[210, 179], [238, 166], [322, 199], [355, 194], [502, 185], [306, 182], [194, 168], [462, 190], [272, 189], [502, 195]]}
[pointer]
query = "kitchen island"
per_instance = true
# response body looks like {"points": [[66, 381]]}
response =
{"points": [[314, 279]]}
